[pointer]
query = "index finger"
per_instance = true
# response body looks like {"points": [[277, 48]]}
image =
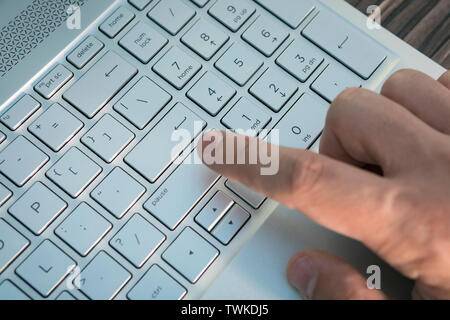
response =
{"points": [[324, 189]]}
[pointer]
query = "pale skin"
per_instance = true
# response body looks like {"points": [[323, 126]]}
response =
{"points": [[382, 177]]}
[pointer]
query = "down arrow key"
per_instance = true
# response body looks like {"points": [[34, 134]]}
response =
{"points": [[227, 229]]}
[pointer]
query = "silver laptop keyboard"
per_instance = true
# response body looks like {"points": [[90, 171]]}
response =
{"points": [[93, 203]]}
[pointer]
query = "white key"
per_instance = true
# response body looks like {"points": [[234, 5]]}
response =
{"points": [[143, 102], [19, 112], [118, 192], [214, 210], [339, 38], [190, 254], [265, 35], [20, 160], [2, 137], [83, 229], [252, 198], [303, 123], [9, 291], [211, 93], [12, 244], [143, 42], [245, 116], [100, 84], [103, 278], [205, 39], [239, 64], [231, 224], [200, 3], [65, 296], [232, 13], [333, 80], [53, 81], [173, 201], [37, 208], [55, 127], [85, 52], [138, 240], [291, 12], [165, 150], [5, 194], [300, 60], [177, 68], [107, 138], [139, 4], [116, 22], [74, 172], [274, 89], [156, 284], [171, 15], [46, 268]]}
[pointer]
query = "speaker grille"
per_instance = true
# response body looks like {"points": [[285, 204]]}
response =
{"points": [[30, 28]]}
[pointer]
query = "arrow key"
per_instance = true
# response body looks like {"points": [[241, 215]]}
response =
{"points": [[214, 210], [230, 225]]}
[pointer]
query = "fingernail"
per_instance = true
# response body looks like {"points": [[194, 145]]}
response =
{"points": [[303, 276]]}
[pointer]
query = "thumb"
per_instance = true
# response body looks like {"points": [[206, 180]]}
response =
{"points": [[320, 276]]}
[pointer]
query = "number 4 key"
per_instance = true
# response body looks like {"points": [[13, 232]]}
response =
{"points": [[211, 93]]}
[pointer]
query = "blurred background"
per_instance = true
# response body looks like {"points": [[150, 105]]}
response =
{"points": [[424, 24]]}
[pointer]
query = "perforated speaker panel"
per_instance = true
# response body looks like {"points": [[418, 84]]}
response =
{"points": [[30, 28]]}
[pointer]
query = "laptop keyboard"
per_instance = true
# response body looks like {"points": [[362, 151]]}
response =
{"points": [[101, 207]]}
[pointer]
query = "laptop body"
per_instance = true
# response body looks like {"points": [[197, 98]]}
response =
{"points": [[169, 226]]}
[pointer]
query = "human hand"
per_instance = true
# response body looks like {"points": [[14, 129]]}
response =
{"points": [[382, 178]]}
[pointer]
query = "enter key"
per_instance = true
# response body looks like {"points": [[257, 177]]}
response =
{"points": [[165, 142]]}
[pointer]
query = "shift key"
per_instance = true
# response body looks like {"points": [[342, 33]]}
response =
{"points": [[100, 84]]}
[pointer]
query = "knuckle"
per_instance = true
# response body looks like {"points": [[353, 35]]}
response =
{"points": [[397, 80], [445, 79], [339, 108], [408, 235], [306, 174], [346, 96]]}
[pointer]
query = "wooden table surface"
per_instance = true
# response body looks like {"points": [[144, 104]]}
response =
{"points": [[424, 24]]}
